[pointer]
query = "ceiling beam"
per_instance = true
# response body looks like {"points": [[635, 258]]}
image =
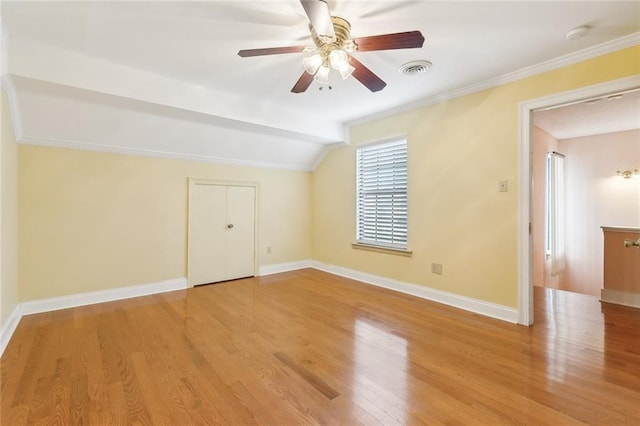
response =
{"points": [[39, 62]]}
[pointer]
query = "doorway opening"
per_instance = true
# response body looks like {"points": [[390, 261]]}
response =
{"points": [[529, 185], [571, 204]]}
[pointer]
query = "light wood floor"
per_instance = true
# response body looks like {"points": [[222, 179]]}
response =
{"points": [[308, 347]]}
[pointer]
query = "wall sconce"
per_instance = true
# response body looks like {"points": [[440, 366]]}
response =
{"points": [[629, 173]]}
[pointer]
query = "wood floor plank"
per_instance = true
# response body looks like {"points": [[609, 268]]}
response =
{"points": [[307, 347], [79, 400], [15, 359], [160, 404], [308, 376]]}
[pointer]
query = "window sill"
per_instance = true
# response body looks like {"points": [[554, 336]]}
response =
{"points": [[381, 249]]}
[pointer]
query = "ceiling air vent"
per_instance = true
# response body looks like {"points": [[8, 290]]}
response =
{"points": [[415, 67]]}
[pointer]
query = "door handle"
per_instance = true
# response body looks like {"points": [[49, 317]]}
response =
{"points": [[229, 226], [629, 243]]}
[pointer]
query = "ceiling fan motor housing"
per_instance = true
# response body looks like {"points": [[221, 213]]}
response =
{"points": [[342, 28]]}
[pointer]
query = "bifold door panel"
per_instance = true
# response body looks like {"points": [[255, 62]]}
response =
{"points": [[221, 232]]}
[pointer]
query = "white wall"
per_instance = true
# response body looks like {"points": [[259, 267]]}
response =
{"points": [[595, 198]]}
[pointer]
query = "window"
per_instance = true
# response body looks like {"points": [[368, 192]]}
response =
{"points": [[381, 187], [554, 223]]}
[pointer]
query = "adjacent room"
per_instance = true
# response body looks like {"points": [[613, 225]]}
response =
{"points": [[597, 141], [320, 212]]}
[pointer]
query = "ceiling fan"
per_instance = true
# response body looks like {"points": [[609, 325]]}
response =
{"points": [[333, 47]]}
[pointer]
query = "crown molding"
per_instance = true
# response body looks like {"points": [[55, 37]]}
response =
{"points": [[542, 67], [16, 119], [86, 146]]}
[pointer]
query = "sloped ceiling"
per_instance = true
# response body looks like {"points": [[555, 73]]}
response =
{"points": [[164, 78]]}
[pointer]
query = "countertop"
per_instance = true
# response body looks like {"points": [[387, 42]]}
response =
{"points": [[620, 229]]}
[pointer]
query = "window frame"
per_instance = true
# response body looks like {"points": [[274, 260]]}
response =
{"points": [[378, 245]]}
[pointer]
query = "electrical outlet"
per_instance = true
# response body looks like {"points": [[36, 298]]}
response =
{"points": [[268, 249], [436, 268], [503, 186]]}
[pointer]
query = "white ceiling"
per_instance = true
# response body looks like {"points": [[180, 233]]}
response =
{"points": [[178, 61], [607, 114]]}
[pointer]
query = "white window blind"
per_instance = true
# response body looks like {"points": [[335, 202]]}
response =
{"points": [[382, 194]]}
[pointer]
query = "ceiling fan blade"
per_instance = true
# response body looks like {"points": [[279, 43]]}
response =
{"points": [[365, 76], [318, 13], [270, 51], [406, 40], [303, 83]]}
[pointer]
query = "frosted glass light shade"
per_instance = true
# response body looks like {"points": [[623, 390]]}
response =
{"points": [[337, 59], [322, 75], [346, 70], [312, 63]]}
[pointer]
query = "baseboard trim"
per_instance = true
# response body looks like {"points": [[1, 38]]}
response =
{"points": [[9, 327], [620, 297], [489, 309], [284, 267], [93, 297], [83, 299], [493, 310]]}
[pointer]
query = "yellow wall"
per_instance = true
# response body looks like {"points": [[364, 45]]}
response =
{"points": [[92, 221], [8, 215], [458, 152]]}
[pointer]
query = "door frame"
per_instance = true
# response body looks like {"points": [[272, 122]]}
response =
{"points": [[525, 236], [192, 182]]}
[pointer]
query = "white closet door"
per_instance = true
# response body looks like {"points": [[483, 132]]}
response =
{"points": [[207, 234], [241, 233], [221, 232]]}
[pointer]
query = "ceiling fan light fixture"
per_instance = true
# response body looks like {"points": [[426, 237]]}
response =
{"points": [[312, 63], [322, 75], [332, 47]]}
